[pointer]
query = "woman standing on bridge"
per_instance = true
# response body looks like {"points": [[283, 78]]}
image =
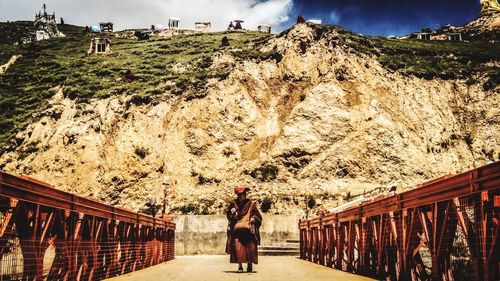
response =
{"points": [[243, 230]]}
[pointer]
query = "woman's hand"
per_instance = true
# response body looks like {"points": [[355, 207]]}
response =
{"points": [[233, 210]]}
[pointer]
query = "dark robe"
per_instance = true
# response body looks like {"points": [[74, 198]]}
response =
{"points": [[242, 245]]}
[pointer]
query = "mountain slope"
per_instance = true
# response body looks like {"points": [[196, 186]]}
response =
{"points": [[314, 111]]}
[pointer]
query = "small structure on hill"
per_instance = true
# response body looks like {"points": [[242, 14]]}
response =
{"points": [[455, 36], [237, 24], [446, 32], [106, 26], [45, 26], [264, 28], [173, 23], [424, 36], [314, 21], [100, 46], [202, 26], [174, 32]]}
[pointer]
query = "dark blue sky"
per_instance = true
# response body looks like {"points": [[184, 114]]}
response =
{"points": [[387, 17]]}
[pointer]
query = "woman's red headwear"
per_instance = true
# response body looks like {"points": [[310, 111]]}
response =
{"points": [[240, 189]]}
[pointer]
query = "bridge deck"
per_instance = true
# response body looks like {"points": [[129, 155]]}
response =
{"points": [[218, 268]]}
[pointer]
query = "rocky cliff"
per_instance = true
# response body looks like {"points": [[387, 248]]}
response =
{"points": [[486, 25], [324, 116]]}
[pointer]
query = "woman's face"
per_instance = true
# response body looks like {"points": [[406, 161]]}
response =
{"points": [[242, 196]]}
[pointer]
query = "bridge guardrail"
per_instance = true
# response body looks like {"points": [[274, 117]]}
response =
{"points": [[52, 234], [446, 229]]}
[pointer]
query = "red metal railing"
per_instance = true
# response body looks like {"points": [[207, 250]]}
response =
{"points": [[446, 229], [49, 234]]}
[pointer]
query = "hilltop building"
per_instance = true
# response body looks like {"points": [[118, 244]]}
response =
{"points": [[202, 26], [454, 36], [314, 21], [264, 28], [446, 32], [45, 26], [235, 25], [100, 46], [106, 26], [484, 27], [173, 29], [173, 23]]}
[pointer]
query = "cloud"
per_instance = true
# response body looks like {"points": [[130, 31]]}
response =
{"points": [[334, 17], [139, 14]]}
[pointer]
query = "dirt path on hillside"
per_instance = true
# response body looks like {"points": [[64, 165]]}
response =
{"points": [[6, 66]]}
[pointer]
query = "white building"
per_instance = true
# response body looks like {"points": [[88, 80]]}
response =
{"points": [[202, 26], [100, 46], [455, 36], [314, 21], [424, 36], [45, 26], [173, 23], [264, 28]]}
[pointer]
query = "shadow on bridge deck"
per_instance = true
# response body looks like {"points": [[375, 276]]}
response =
{"points": [[215, 268]]}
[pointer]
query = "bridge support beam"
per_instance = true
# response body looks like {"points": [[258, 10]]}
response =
{"points": [[412, 236]]}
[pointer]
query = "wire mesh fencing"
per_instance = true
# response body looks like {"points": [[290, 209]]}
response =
{"points": [[445, 230], [46, 234]]}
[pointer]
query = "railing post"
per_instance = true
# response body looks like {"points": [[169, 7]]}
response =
{"points": [[309, 242], [362, 246], [339, 242], [321, 245]]}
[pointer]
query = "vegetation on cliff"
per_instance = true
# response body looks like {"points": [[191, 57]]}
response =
{"points": [[315, 112], [161, 68], [35, 77]]}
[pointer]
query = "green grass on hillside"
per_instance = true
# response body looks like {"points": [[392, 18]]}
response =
{"points": [[25, 88], [432, 59], [443, 59]]}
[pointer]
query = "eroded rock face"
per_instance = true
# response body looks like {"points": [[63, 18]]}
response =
{"points": [[5, 67], [325, 121], [487, 25], [488, 6]]}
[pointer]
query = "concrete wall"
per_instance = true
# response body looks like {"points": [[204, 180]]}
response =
{"points": [[206, 235]]}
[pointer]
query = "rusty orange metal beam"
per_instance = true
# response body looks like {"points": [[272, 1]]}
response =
{"points": [[92, 240], [37, 192], [450, 187], [398, 226]]}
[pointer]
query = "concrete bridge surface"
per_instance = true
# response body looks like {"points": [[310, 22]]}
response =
{"points": [[218, 268]]}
